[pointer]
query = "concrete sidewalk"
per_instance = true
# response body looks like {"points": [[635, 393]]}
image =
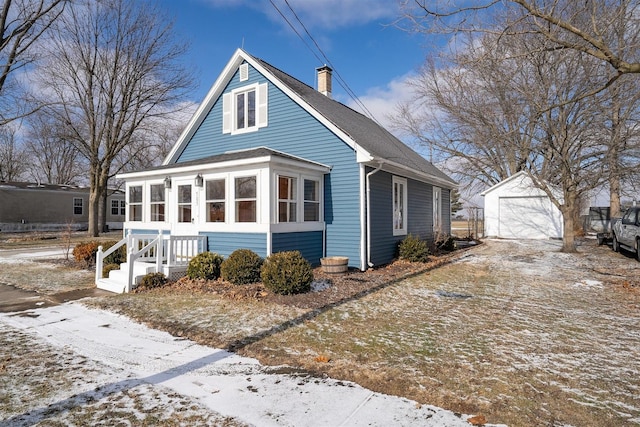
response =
{"points": [[229, 384]]}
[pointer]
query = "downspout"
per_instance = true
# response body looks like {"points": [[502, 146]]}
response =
{"points": [[368, 184]]}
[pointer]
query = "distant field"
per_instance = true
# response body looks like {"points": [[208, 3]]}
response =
{"points": [[463, 228]]}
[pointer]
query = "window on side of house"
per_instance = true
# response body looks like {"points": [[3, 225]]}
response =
{"points": [[311, 200], [245, 109], [184, 203], [115, 207], [287, 198], [77, 205], [158, 205], [245, 198], [399, 203], [135, 203], [123, 208], [215, 199]]}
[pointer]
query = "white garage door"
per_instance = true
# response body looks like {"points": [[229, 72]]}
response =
{"points": [[527, 218]]}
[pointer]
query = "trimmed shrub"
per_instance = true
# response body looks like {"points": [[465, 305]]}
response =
{"points": [[85, 253], [109, 267], [242, 267], [446, 243], [205, 266], [287, 273], [413, 249], [153, 280]]}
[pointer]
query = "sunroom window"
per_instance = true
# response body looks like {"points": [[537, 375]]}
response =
{"points": [[135, 203], [311, 200], [157, 202], [245, 198], [216, 200], [287, 195]]}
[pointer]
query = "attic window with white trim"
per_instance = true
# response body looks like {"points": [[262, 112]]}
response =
{"points": [[244, 109]]}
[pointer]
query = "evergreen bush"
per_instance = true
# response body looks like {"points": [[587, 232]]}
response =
{"points": [[242, 267], [109, 267], [287, 273], [413, 249], [153, 280], [446, 243], [205, 266]]}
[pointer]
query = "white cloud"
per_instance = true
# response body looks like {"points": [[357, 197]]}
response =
{"points": [[382, 101], [326, 14]]}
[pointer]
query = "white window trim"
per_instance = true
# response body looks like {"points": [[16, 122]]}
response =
{"points": [[151, 203], [143, 219], [205, 215], [402, 181], [229, 110], [300, 224], [81, 206]]}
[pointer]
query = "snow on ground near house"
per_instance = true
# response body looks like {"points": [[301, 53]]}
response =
{"points": [[146, 362]]}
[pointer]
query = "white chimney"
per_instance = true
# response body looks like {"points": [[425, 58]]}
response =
{"points": [[324, 80]]}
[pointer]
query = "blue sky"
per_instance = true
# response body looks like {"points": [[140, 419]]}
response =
{"points": [[358, 36]]}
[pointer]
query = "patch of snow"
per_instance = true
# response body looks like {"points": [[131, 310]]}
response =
{"points": [[224, 382]]}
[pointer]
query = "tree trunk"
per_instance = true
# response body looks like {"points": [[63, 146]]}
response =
{"points": [[568, 237], [614, 196], [94, 200]]}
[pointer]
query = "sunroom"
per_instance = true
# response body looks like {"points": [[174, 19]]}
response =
{"points": [[258, 199]]}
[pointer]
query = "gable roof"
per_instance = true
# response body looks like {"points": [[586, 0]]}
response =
{"points": [[371, 141]]}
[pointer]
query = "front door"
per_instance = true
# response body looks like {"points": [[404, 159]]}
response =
{"points": [[185, 209]]}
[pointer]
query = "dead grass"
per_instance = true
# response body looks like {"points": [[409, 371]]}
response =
{"points": [[45, 277], [63, 388], [516, 332]]}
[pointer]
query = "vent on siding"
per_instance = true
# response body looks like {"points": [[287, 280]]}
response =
{"points": [[244, 72]]}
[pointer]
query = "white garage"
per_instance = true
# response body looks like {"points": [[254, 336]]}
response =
{"points": [[516, 209]]}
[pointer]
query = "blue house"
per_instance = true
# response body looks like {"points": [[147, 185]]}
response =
{"points": [[271, 164]]}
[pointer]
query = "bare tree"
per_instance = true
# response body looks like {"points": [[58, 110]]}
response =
{"points": [[113, 69], [13, 158], [591, 27], [23, 23], [53, 159], [504, 115]]}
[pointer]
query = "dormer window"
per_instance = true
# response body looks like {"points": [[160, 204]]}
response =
{"points": [[244, 109]]}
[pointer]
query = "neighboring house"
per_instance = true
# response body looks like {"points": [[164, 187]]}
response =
{"points": [[270, 164], [516, 209], [26, 206]]}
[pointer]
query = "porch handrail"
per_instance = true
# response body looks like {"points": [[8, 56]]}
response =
{"points": [[133, 255], [100, 256]]}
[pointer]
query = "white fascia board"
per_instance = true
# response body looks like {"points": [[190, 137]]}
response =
{"points": [[205, 106], [177, 169], [399, 169]]}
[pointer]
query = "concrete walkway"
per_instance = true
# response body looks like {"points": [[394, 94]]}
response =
{"points": [[229, 384]]}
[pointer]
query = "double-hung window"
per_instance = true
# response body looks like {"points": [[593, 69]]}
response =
{"points": [[115, 207], [399, 203], [311, 200], [245, 198], [77, 205], [287, 197], [157, 202], [245, 109], [215, 195], [135, 203]]}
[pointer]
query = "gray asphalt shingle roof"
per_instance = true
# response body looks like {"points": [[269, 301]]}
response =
{"points": [[365, 132]]}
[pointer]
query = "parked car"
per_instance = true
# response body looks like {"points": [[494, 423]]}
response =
{"points": [[626, 232]]}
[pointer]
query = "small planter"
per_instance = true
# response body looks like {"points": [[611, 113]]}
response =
{"points": [[335, 264]]}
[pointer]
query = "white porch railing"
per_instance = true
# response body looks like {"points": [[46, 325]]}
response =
{"points": [[163, 250]]}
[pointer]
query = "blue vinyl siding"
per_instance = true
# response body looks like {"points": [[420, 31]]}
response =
{"points": [[226, 243], [294, 131], [419, 215], [308, 243]]}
